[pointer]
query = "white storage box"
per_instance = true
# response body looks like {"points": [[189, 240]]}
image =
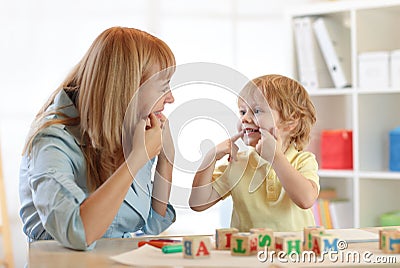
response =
{"points": [[373, 70], [395, 69]]}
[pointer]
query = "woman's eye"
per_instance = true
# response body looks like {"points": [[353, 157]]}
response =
{"points": [[257, 111], [242, 112]]}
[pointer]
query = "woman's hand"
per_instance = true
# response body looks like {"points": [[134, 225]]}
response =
{"points": [[269, 144], [146, 140], [168, 149]]}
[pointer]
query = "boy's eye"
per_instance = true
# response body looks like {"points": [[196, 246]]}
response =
{"points": [[242, 112], [257, 111]]}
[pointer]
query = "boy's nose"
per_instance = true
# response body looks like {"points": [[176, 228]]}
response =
{"points": [[247, 117]]}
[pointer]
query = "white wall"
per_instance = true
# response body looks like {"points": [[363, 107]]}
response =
{"points": [[41, 40]]}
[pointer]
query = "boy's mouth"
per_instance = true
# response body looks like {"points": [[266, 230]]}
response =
{"points": [[251, 130]]}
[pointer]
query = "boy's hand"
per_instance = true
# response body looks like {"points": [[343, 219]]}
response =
{"points": [[228, 147], [269, 143]]}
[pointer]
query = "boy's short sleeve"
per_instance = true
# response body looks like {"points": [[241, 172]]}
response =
{"points": [[220, 180], [307, 165]]}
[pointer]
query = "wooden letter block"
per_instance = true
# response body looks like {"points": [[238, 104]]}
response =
{"points": [[324, 243], [391, 241], [307, 244], [265, 237], [288, 243], [223, 237], [244, 244], [195, 247], [382, 239]]}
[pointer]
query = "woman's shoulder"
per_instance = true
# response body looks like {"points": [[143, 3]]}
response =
{"points": [[55, 134]]}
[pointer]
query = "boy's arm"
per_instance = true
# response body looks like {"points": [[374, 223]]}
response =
{"points": [[203, 194], [301, 190]]}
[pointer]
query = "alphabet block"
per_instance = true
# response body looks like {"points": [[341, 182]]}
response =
{"points": [[265, 237], [195, 247], [308, 231], [223, 237], [391, 241], [288, 243], [244, 244], [382, 239], [324, 243]]}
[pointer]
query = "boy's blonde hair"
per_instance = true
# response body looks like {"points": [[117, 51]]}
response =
{"points": [[291, 100], [118, 62]]}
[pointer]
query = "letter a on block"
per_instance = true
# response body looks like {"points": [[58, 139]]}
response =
{"points": [[315, 247], [202, 249]]}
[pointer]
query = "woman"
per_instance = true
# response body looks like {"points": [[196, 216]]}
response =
{"points": [[75, 184]]}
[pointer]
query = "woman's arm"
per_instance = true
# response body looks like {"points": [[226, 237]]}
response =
{"points": [[163, 175], [99, 209]]}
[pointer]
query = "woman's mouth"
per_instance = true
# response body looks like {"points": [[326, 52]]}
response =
{"points": [[158, 114]]}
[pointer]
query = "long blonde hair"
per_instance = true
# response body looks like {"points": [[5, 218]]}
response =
{"points": [[104, 81], [291, 100]]}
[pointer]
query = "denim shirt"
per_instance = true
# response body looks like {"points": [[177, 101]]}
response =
{"points": [[53, 185]]}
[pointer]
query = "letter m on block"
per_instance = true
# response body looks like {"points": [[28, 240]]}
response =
{"points": [[330, 244]]}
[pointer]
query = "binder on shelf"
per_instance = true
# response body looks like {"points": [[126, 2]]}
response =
{"points": [[341, 212], [334, 41], [312, 70]]}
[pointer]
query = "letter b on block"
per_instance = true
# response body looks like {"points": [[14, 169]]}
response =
{"points": [[196, 247]]}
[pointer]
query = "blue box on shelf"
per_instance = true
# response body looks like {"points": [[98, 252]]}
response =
{"points": [[394, 145]]}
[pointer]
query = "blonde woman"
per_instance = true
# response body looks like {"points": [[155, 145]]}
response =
{"points": [[275, 182], [75, 184]]}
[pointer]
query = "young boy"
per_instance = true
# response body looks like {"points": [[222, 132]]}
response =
{"points": [[275, 183]]}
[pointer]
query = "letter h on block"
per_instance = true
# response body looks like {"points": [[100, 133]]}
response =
{"points": [[195, 247], [223, 237], [244, 244], [288, 243]]}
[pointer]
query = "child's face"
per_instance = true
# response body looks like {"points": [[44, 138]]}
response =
{"points": [[255, 114]]}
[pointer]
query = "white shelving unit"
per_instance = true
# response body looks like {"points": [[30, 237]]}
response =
{"points": [[371, 112]]}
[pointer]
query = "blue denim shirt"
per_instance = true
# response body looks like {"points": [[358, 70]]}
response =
{"points": [[53, 185]]}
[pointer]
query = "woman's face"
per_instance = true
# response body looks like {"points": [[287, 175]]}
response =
{"points": [[154, 94]]}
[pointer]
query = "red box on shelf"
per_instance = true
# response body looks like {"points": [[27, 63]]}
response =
{"points": [[337, 149]]}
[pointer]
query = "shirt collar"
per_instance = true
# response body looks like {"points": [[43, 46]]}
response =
{"points": [[63, 104], [256, 161]]}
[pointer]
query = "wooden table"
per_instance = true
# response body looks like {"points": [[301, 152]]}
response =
{"points": [[45, 254]]}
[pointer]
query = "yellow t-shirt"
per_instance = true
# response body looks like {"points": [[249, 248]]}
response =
{"points": [[259, 201]]}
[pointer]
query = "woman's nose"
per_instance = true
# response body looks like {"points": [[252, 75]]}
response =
{"points": [[169, 98]]}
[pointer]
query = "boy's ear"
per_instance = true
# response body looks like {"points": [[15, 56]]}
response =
{"points": [[290, 125]]}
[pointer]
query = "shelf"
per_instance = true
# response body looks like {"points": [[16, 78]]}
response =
{"points": [[371, 111], [335, 173], [389, 175], [378, 91], [330, 92]]}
